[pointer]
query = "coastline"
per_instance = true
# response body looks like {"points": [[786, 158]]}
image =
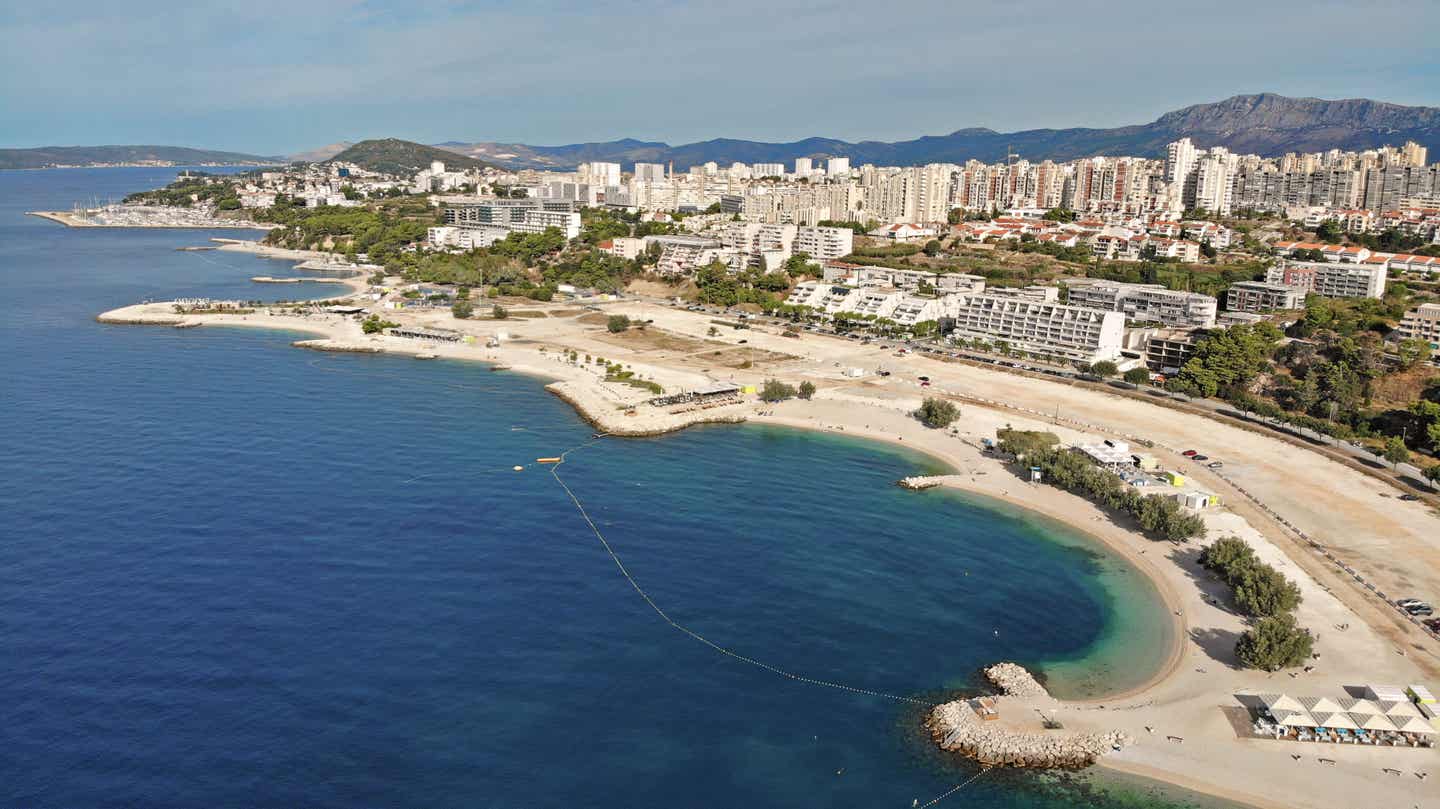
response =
{"points": [[71, 220], [998, 488], [1186, 698]]}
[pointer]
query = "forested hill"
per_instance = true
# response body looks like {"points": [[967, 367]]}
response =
{"points": [[52, 156], [395, 156]]}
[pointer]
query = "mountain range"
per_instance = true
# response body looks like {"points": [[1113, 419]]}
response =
{"points": [[1264, 124]]}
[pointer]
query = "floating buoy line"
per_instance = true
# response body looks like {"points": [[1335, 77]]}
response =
{"points": [[559, 461]]}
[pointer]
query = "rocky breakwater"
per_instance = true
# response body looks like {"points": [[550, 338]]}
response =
{"points": [[1010, 730], [630, 416]]}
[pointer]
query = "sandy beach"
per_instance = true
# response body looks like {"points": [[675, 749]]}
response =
{"points": [[1191, 728]]}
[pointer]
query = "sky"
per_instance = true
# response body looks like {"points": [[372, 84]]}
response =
{"points": [[278, 76]]}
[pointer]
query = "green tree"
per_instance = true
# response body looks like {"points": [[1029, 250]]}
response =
{"points": [[1229, 558], [937, 413], [462, 309], [1432, 474], [617, 323], [933, 247], [776, 391], [1264, 591], [1274, 643], [1412, 353], [807, 389], [374, 325], [1395, 451], [499, 312], [1060, 215], [1329, 231], [1104, 368], [1137, 376]]}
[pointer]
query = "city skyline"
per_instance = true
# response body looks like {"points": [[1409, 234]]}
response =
{"points": [[274, 79]]}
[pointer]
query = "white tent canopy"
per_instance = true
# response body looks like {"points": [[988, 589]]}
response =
{"points": [[1335, 720], [1319, 705], [1372, 721], [1293, 719], [1281, 702], [1354, 706], [1405, 708], [1414, 724]]}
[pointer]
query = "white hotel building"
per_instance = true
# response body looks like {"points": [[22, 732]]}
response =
{"points": [[1147, 303], [481, 223], [1068, 332]]}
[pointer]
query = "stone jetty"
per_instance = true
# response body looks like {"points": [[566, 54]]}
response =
{"points": [[1009, 730], [918, 482], [1014, 680]]}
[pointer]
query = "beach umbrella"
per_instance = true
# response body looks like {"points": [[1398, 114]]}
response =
{"points": [[1319, 705], [1372, 721], [1361, 706], [1335, 720], [1293, 719], [1281, 702], [1413, 724], [1404, 708]]}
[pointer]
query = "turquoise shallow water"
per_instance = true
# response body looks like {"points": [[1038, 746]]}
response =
{"points": [[239, 574]]}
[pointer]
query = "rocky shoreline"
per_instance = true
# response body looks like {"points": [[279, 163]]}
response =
{"points": [[984, 729]]}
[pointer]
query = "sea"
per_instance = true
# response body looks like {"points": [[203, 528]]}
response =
{"points": [[234, 573]]}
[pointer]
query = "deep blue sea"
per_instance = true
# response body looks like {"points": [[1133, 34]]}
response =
{"points": [[238, 574]]}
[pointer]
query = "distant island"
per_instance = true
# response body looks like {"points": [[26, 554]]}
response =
{"points": [[51, 157]]}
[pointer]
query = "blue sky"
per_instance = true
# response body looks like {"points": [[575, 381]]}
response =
{"points": [[274, 77]]}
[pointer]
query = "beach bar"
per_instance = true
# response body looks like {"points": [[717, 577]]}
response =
{"points": [[1376, 719]]}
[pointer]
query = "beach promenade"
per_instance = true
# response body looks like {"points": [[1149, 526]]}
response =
{"points": [[1188, 725]]}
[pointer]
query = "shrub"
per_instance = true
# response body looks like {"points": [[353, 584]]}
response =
{"points": [[807, 389], [937, 413], [499, 312], [462, 309], [617, 323], [1274, 643]]}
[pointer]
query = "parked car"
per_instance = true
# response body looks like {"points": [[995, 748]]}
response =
{"points": [[1198, 458], [924, 378], [1214, 464], [1433, 624], [1420, 609], [1409, 498], [1405, 602], [1189, 453]]}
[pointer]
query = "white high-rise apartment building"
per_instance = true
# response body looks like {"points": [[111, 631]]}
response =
{"points": [[836, 166], [803, 166], [1212, 182], [601, 174], [767, 170], [823, 244], [650, 172]]}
